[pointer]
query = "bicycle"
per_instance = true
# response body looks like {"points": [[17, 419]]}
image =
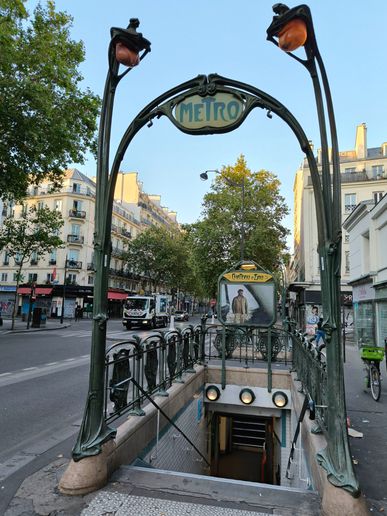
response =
{"points": [[372, 356]]}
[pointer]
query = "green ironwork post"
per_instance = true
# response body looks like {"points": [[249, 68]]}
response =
{"points": [[336, 457], [124, 48]]}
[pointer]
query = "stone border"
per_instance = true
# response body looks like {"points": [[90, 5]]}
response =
{"points": [[334, 500], [92, 473]]}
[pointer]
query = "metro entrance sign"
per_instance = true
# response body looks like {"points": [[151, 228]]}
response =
{"points": [[247, 296]]}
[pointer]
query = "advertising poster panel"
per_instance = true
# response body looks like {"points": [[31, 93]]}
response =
{"points": [[247, 299]]}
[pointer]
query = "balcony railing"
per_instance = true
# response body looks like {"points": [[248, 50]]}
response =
{"points": [[77, 214], [75, 239], [52, 262], [90, 266], [126, 233], [73, 264], [83, 190], [118, 253], [34, 261], [349, 208]]}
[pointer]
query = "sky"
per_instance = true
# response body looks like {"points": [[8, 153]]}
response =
{"points": [[229, 38]]}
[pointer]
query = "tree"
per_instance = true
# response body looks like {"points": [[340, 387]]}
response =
{"points": [[46, 121], [158, 255], [34, 233], [216, 238]]}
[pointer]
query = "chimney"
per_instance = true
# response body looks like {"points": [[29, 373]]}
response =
{"points": [[361, 141]]}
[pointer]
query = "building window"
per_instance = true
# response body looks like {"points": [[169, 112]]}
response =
{"points": [[77, 205], [349, 202], [32, 277], [50, 278], [75, 230], [377, 171], [52, 258], [347, 265], [6, 258], [40, 205], [377, 196], [90, 280], [76, 188], [4, 276], [73, 255], [346, 237], [58, 205], [72, 278], [15, 275], [349, 170]]}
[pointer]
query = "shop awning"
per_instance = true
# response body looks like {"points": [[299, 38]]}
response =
{"points": [[39, 291], [43, 291], [24, 290], [117, 295]]}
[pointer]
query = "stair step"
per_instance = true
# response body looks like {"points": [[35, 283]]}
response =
{"points": [[217, 492]]}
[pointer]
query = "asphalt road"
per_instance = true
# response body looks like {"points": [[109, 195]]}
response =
{"points": [[43, 387]]}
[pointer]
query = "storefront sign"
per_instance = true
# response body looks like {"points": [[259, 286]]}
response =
{"points": [[364, 292]]}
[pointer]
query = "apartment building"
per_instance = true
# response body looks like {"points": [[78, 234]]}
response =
{"points": [[68, 273], [129, 190], [367, 230], [363, 177]]}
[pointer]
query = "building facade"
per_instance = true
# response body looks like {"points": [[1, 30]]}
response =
{"points": [[68, 272], [363, 177], [367, 230]]}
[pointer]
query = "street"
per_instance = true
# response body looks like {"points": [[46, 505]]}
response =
{"points": [[43, 387]]}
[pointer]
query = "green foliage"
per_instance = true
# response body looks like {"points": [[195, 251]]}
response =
{"points": [[216, 238], [46, 120], [35, 232], [162, 256]]}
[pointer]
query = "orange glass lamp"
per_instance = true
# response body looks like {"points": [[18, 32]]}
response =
{"points": [[293, 35]]}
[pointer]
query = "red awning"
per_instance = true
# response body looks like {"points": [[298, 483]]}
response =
{"points": [[117, 295], [43, 291], [24, 290], [39, 291]]}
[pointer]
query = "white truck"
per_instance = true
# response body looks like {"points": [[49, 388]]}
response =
{"points": [[146, 311]]}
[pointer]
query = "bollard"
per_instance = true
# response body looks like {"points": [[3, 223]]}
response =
{"points": [[172, 323]]}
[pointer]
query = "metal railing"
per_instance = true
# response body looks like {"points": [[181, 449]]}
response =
{"points": [[153, 362], [75, 239], [77, 214]]}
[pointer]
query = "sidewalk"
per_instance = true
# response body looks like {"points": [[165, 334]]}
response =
{"points": [[369, 417], [21, 326]]}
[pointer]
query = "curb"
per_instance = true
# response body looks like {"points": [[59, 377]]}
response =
{"points": [[33, 330]]}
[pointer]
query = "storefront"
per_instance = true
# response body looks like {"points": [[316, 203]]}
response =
{"points": [[381, 314], [7, 300], [364, 312]]}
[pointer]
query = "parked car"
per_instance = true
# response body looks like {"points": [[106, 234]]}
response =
{"points": [[181, 315]]}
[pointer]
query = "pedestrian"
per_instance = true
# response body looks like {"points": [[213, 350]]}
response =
{"points": [[320, 333], [239, 307], [77, 312]]}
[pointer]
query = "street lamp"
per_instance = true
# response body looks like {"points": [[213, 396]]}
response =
{"points": [[204, 177], [289, 30], [127, 47]]}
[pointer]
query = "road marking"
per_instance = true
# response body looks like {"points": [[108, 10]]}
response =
{"points": [[30, 373]]}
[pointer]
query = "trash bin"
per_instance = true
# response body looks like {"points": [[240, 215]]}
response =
{"points": [[36, 317]]}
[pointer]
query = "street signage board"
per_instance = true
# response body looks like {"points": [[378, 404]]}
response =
{"points": [[216, 111], [247, 298]]}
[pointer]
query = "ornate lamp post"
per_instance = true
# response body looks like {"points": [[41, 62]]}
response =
{"points": [[291, 29], [204, 177], [124, 48]]}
